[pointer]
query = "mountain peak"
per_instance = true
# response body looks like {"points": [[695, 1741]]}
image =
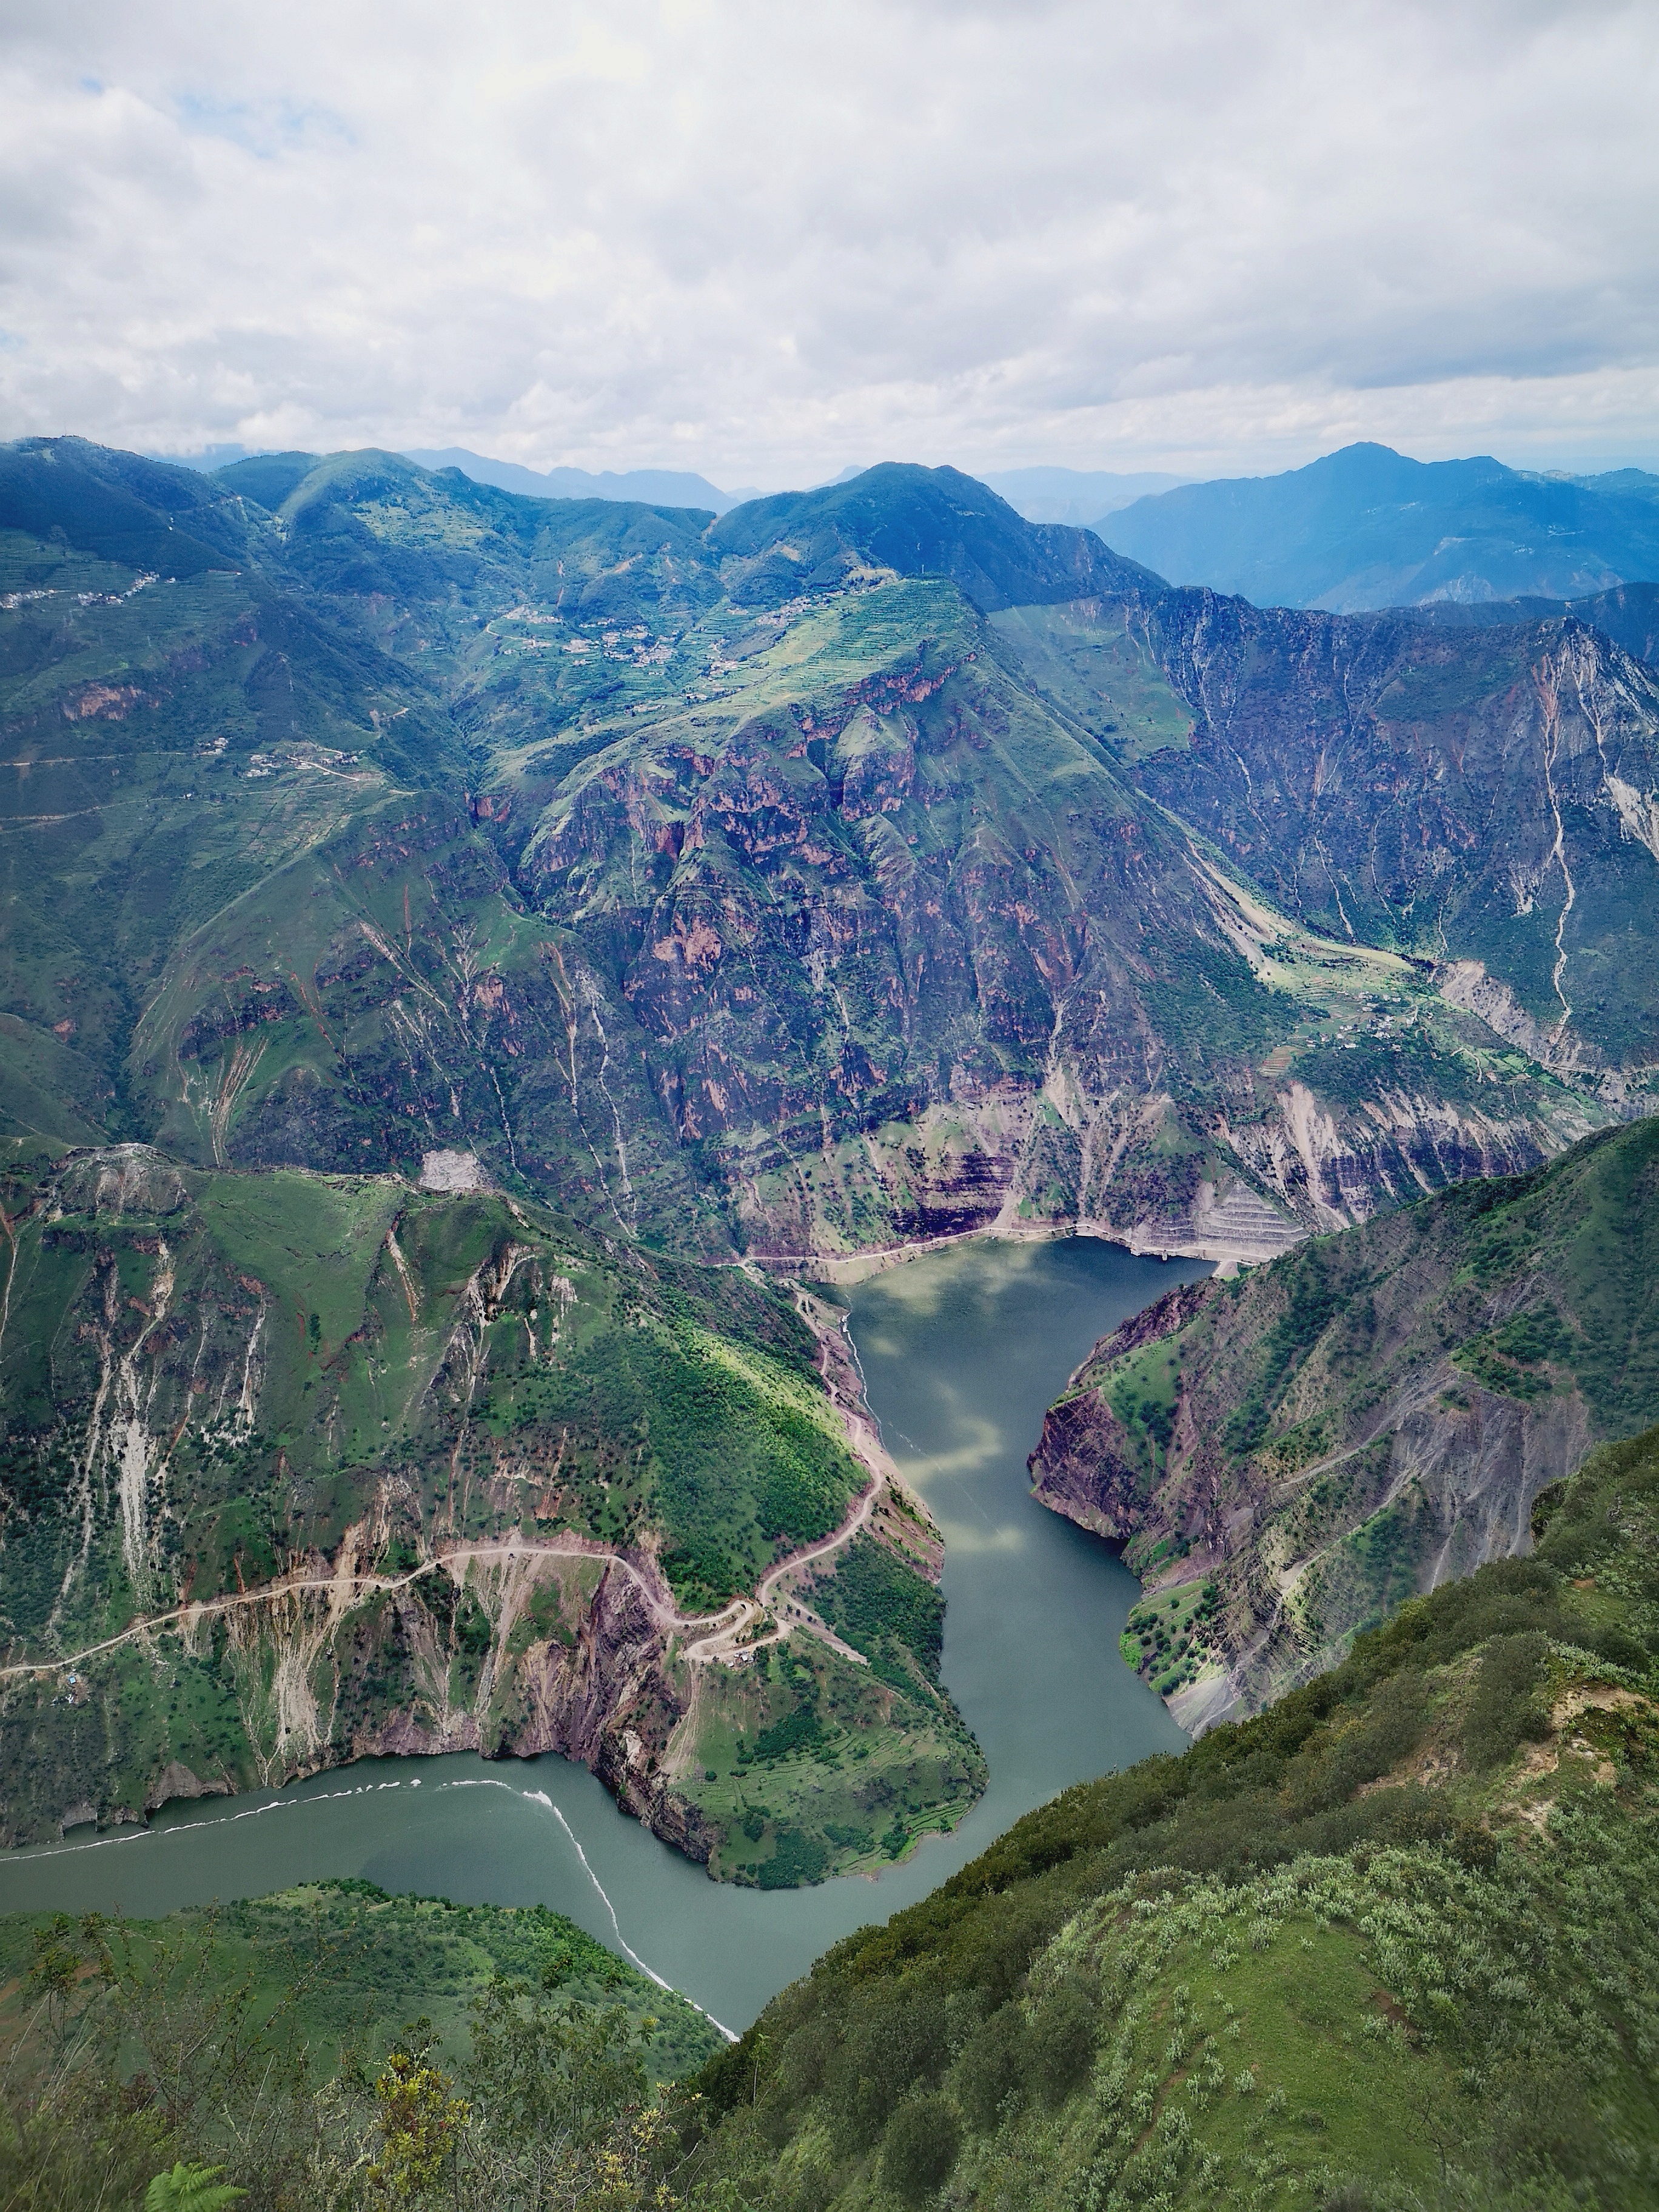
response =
{"points": [[920, 522]]}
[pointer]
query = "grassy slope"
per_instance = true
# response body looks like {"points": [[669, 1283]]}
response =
{"points": [[1397, 1930], [1299, 1448], [806, 1761], [214, 1380], [345, 1963]]}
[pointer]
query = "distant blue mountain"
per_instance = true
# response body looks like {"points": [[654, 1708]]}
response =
{"points": [[653, 487], [1367, 527]]}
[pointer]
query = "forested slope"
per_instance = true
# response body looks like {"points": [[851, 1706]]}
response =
{"points": [[1290, 1454]]}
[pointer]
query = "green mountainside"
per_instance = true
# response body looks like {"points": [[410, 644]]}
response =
{"points": [[799, 881], [377, 846], [299, 1468], [353, 1966], [303, 2052], [1368, 527], [1292, 1453], [1393, 1943]]}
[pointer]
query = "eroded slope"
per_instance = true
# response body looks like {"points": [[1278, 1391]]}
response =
{"points": [[1291, 1454], [298, 1469]]}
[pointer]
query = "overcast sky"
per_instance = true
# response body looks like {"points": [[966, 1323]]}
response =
{"points": [[765, 240]]}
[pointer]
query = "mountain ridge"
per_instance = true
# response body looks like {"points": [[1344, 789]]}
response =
{"points": [[1368, 527]]}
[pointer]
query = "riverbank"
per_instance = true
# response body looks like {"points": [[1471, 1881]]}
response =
{"points": [[961, 1355]]}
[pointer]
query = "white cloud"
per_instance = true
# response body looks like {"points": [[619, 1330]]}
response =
{"points": [[766, 238]]}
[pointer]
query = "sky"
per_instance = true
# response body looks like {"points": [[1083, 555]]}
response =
{"points": [[767, 239]]}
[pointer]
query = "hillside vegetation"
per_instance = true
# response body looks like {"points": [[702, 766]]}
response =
{"points": [[304, 2050], [1392, 1942], [1290, 1454], [300, 1468]]}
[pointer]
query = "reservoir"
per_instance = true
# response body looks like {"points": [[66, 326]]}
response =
{"points": [[961, 1349]]}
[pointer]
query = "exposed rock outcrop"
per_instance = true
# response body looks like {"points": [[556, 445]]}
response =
{"points": [[1367, 1417]]}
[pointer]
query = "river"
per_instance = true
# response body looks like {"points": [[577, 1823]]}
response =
{"points": [[961, 1349]]}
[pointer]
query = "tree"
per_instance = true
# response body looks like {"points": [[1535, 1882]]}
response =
{"points": [[920, 2147], [420, 2125]]}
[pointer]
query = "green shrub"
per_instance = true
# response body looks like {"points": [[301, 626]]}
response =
{"points": [[797, 1856], [992, 2071], [919, 2148], [1506, 1710], [1060, 2046]]}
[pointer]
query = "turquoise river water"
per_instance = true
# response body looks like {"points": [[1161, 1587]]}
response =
{"points": [[961, 1351]]}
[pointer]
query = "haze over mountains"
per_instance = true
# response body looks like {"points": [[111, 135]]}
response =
{"points": [[1368, 527], [1041, 494]]}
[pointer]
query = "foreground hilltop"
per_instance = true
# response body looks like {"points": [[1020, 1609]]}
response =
{"points": [[1394, 1940]]}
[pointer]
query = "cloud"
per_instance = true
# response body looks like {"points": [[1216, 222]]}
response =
{"points": [[763, 240]]}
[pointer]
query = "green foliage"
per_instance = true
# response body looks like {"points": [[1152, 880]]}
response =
{"points": [[1268, 1959], [204, 2066], [1060, 2045], [190, 2189], [919, 2148], [989, 2078], [797, 1857], [876, 1600], [800, 1727], [1311, 1301], [1506, 1710]]}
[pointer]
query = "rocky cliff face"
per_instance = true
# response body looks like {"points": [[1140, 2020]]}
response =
{"points": [[1364, 1419], [871, 867], [1476, 796]]}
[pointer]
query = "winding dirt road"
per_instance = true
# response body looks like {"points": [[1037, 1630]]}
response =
{"points": [[716, 1638], [724, 1638]]}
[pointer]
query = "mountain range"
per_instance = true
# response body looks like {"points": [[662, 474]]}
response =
{"points": [[667, 487], [591, 886], [1368, 527], [1041, 494]]}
